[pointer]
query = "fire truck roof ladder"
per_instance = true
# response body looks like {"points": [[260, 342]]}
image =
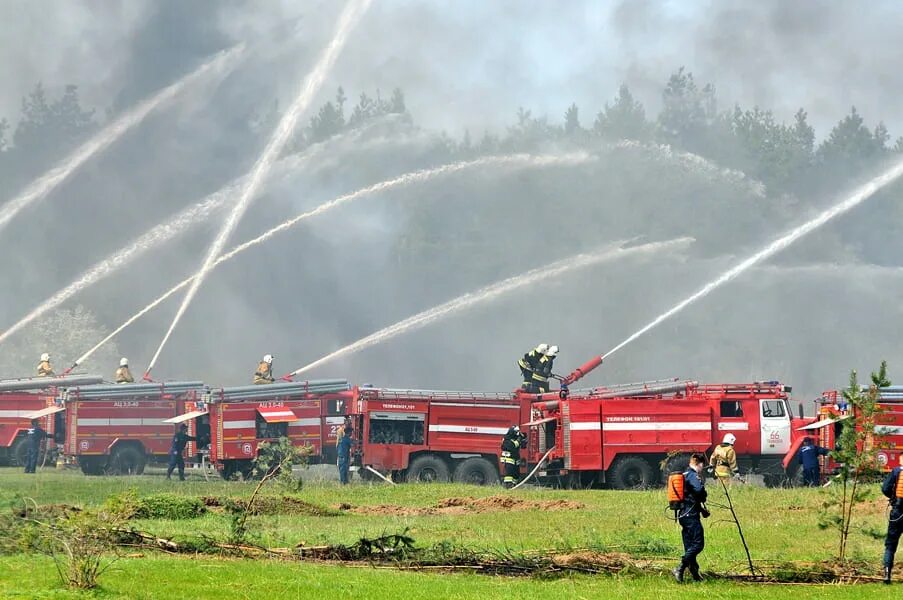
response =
{"points": [[125, 390], [40, 383], [283, 388]]}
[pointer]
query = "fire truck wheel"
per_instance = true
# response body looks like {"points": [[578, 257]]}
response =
{"points": [[91, 465], [428, 469], [477, 471], [17, 453], [632, 473], [127, 460]]}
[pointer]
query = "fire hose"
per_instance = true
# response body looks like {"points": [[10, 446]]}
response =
{"points": [[378, 474], [536, 468]]}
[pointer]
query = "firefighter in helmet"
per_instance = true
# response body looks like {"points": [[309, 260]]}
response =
{"points": [[264, 373], [44, 367], [724, 458], [689, 513], [511, 445], [529, 364], [123, 375], [544, 369], [893, 489]]}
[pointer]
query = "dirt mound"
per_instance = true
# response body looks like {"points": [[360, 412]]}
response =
{"points": [[466, 505]]}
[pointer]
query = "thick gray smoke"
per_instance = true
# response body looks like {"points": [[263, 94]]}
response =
{"points": [[825, 306]]}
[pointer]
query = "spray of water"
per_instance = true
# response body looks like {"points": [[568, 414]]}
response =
{"points": [[514, 160], [859, 195], [158, 235], [350, 16], [109, 134], [493, 292]]}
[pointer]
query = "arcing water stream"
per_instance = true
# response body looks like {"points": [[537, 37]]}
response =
{"points": [[522, 160], [858, 196], [312, 83], [493, 292], [109, 134]]}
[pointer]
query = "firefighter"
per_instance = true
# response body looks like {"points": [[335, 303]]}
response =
{"points": [[808, 458], [176, 450], [264, 373], [44, 367], [893, 489], [123, 375], [690, 511], [344, 451], [33, 438], [544, 369], [530, 363], [511, 445], [724, 458]]}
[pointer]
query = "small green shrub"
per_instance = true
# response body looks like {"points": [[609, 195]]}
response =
{"points": [[129, 505]]}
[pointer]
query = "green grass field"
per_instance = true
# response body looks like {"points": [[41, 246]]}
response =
{"points": [[780, 526]]}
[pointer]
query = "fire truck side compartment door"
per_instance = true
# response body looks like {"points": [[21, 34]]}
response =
{"points": [[775, 426]]}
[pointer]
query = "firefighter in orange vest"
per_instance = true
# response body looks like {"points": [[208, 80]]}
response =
{"points": [[893, 489], [264, 373], [123, 375], [44, 368], [724, 458]]}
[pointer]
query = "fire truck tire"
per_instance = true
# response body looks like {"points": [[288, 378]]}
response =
{"points": [[632, 473], [477, 471], [428, 469], [17, 453], [91, 465], [127, 460]]}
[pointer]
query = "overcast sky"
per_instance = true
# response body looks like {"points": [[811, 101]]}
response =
{"points": [[470, 64]]}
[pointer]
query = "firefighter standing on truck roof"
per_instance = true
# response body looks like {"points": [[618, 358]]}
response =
{"points": [[529, 364], [264, 373], [123, 375], [44, 367], [544, 369], [893, 489], [808, 458], [33, 438], [688, 516], [724, 458], [179, 440], [511, 445]]}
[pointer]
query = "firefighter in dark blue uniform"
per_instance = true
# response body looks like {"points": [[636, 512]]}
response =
{"points": [[511, 445], [808, 457], [33, 438], [175, 451], [344, 450], [893, 489], [691, 531]]}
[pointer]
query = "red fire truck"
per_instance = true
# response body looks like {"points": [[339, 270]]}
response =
{"points": [[237, 419], [629, 436], [118, 428], [831, 411], [31, 398], [428, 435]]}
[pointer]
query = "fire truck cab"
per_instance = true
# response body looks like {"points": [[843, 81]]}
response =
{"points": [[430, 435]]}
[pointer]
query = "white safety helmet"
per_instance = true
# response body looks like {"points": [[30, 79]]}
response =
{"points": [[268, 359], [552, 351], [123, 362], [729, 438], [45, 357], [542, 348]]}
